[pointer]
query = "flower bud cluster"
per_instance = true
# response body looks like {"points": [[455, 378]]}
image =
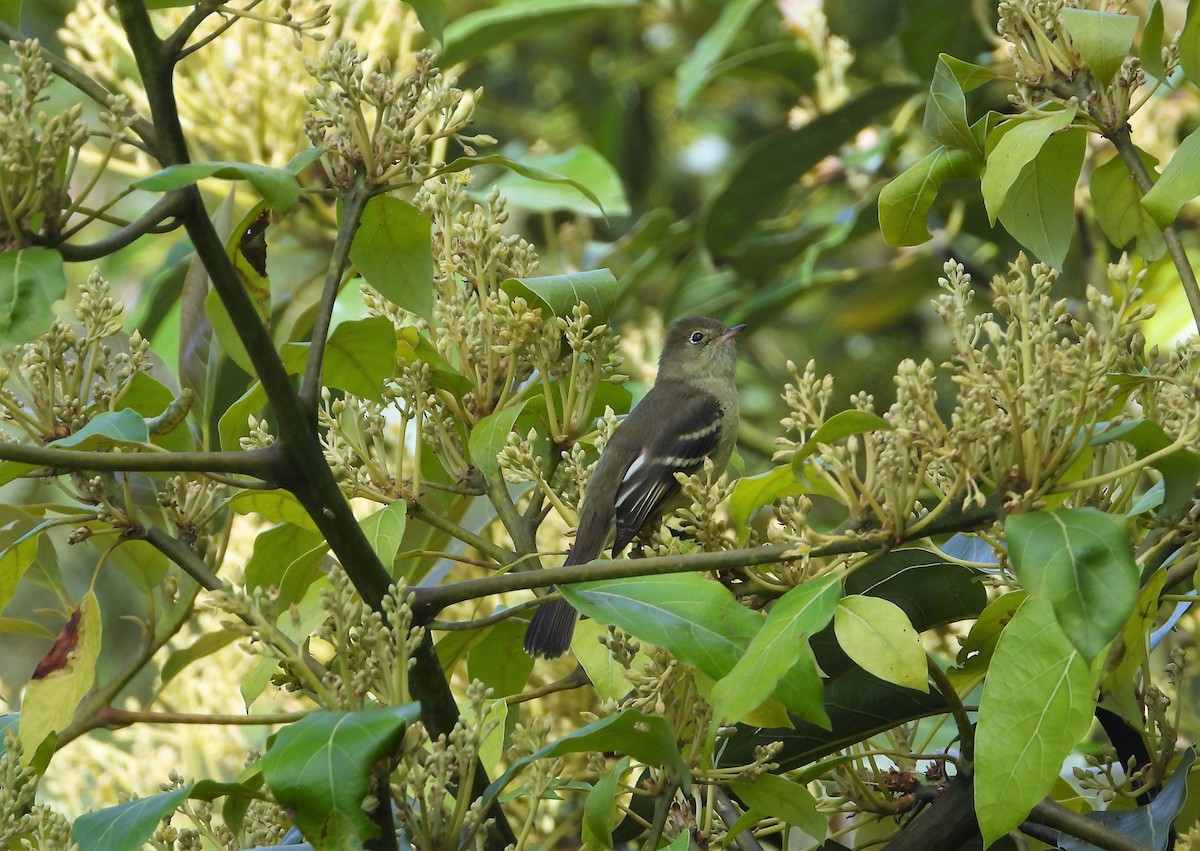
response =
{"points": [[1032, 383], [54, 385], [381, 125]]}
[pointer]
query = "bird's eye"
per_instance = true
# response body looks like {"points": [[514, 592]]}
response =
{"points": [[697, 336]]}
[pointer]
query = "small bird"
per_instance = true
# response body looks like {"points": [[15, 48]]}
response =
{"points": [[689, 415]]}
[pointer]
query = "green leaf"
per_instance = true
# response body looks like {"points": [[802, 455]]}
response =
{"points": [[790, 802], [17, 626], [1189, 45], [62, 678], [125, 429], [1180, 180], [695, 71], [1180, 469], [523, 169], [1018, 145], [945, 119], [489, 436], [1120, 687], [20, 552], [905, 202], [432, 16], [478, 32], [647, 738], [393, 253], [695, 618], [205, 645], [278, 186], [559, 294], [319, 768], [499, 660], [275, 550], [751, 192], [412, 347], [1039, 210], [1037, 704], [583, 167], [794, 618], [876, 634], [152, 400], [31, 279], [1117, 201], [246, 248], [274, 506], [235, 422], [360, 355], [128, 826], [10, 13], [969, 75], [784, 62], [1079, 560], [1150, 49], [385, 530], [1103, 39], [601, 806], [841, 424], [980, 645], [751, 493]]}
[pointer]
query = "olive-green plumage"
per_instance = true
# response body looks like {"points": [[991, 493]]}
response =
{"points": [[689, 415]]}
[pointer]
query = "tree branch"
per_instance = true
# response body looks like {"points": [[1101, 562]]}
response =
{"points": [[429, 601], [1050, 813], [257, 463], [1141, 175], [946, 824]]}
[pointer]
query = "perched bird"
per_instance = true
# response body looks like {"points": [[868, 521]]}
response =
{"points": [[690, 414]]}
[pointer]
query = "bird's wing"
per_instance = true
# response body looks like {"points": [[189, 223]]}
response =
{"points": [[649, 480]]}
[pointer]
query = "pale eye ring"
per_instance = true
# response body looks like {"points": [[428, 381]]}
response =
{"points": [[697, 336]]}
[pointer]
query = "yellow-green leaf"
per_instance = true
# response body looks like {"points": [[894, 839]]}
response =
{"points": [[876, 634], [65, 674]]}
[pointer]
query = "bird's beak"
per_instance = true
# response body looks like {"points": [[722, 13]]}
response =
{"points": [[731, 333]]}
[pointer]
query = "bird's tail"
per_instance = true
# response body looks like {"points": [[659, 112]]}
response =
{"points": [[549, 633]]}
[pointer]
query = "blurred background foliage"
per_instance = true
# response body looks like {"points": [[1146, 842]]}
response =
{"points": [[750, 140]]}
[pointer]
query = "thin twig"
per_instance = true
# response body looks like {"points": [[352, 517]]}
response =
{"points": [[497, 553], [495, 617], [353, 205], [167, 207], [113, 717]]}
